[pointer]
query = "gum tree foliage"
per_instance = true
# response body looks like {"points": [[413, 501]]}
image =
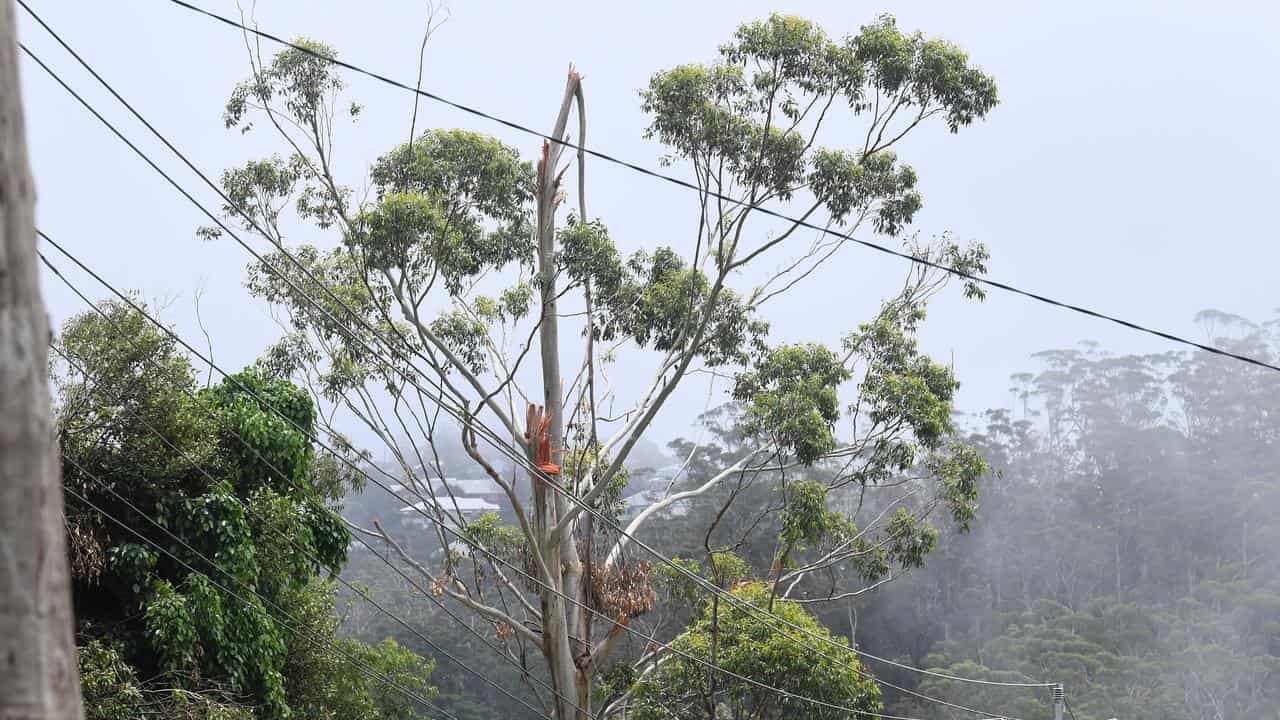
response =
{"points": [[440, 279], [753, 647], [159, 636]]}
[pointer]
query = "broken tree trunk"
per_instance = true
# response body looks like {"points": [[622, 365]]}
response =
{"points": [[561, 620]]}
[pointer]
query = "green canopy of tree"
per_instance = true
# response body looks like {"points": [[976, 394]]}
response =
{"points": [[255, 509], [743, 643], [451, 278]]}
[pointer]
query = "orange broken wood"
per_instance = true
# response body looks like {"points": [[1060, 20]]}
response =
{"points": [[538, 431]]}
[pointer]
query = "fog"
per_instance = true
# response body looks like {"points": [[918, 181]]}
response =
{"points": [[1124, 544], [1123, 547]]}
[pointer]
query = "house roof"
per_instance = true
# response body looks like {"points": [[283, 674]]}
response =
{"points": [[467, 486], [464, 504], [639, 501]]}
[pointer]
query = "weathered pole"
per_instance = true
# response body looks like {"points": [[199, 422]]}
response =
{"points": [[38, 673]]}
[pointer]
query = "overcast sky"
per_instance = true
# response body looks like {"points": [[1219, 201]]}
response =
{"points": [[1132, 165]]}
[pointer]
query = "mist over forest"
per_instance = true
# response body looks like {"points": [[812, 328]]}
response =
{"points": [[1123, 545]]}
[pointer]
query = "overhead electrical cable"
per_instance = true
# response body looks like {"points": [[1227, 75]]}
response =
{"points": [[469, 541], [491, 437], [664, 646], [294, 543], [360, 666], [1096, 314]]}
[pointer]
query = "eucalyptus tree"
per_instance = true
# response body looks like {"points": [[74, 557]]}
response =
{"points": [[750, 646], [442, 289]]}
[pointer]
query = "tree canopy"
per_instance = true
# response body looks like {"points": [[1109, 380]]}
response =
{"points": [[429, 311], [222, 609], [748, 646]]}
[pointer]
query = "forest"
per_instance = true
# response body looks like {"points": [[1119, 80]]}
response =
{"points": [[1122, 546]]}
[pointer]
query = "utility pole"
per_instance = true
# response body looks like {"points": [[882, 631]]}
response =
{"points": [[1059, 702], [38, 671]]}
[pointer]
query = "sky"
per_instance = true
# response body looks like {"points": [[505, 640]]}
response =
{"points": [[1129, 167]]}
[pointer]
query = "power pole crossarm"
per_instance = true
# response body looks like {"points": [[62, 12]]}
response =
{"points": [[38, 671], [1059, 702]]}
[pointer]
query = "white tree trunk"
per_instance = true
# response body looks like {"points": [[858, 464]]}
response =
{"points": [[562, 621], [38, 673]]}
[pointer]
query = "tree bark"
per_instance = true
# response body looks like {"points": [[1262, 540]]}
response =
{"points": [[561, 622], [38, 672]]}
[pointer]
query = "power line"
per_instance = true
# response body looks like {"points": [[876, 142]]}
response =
{"points": [[589, 509], [688, 185], [53, 268], [484, 550], [360, 666], [495, 441], [683, 183], [766, 211], [307, 497], [174, 381], [735, 201], [439, 399], [491, 437], [284, 475]]}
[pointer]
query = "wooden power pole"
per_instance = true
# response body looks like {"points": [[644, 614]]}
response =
{"points": [[38, 672]]}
